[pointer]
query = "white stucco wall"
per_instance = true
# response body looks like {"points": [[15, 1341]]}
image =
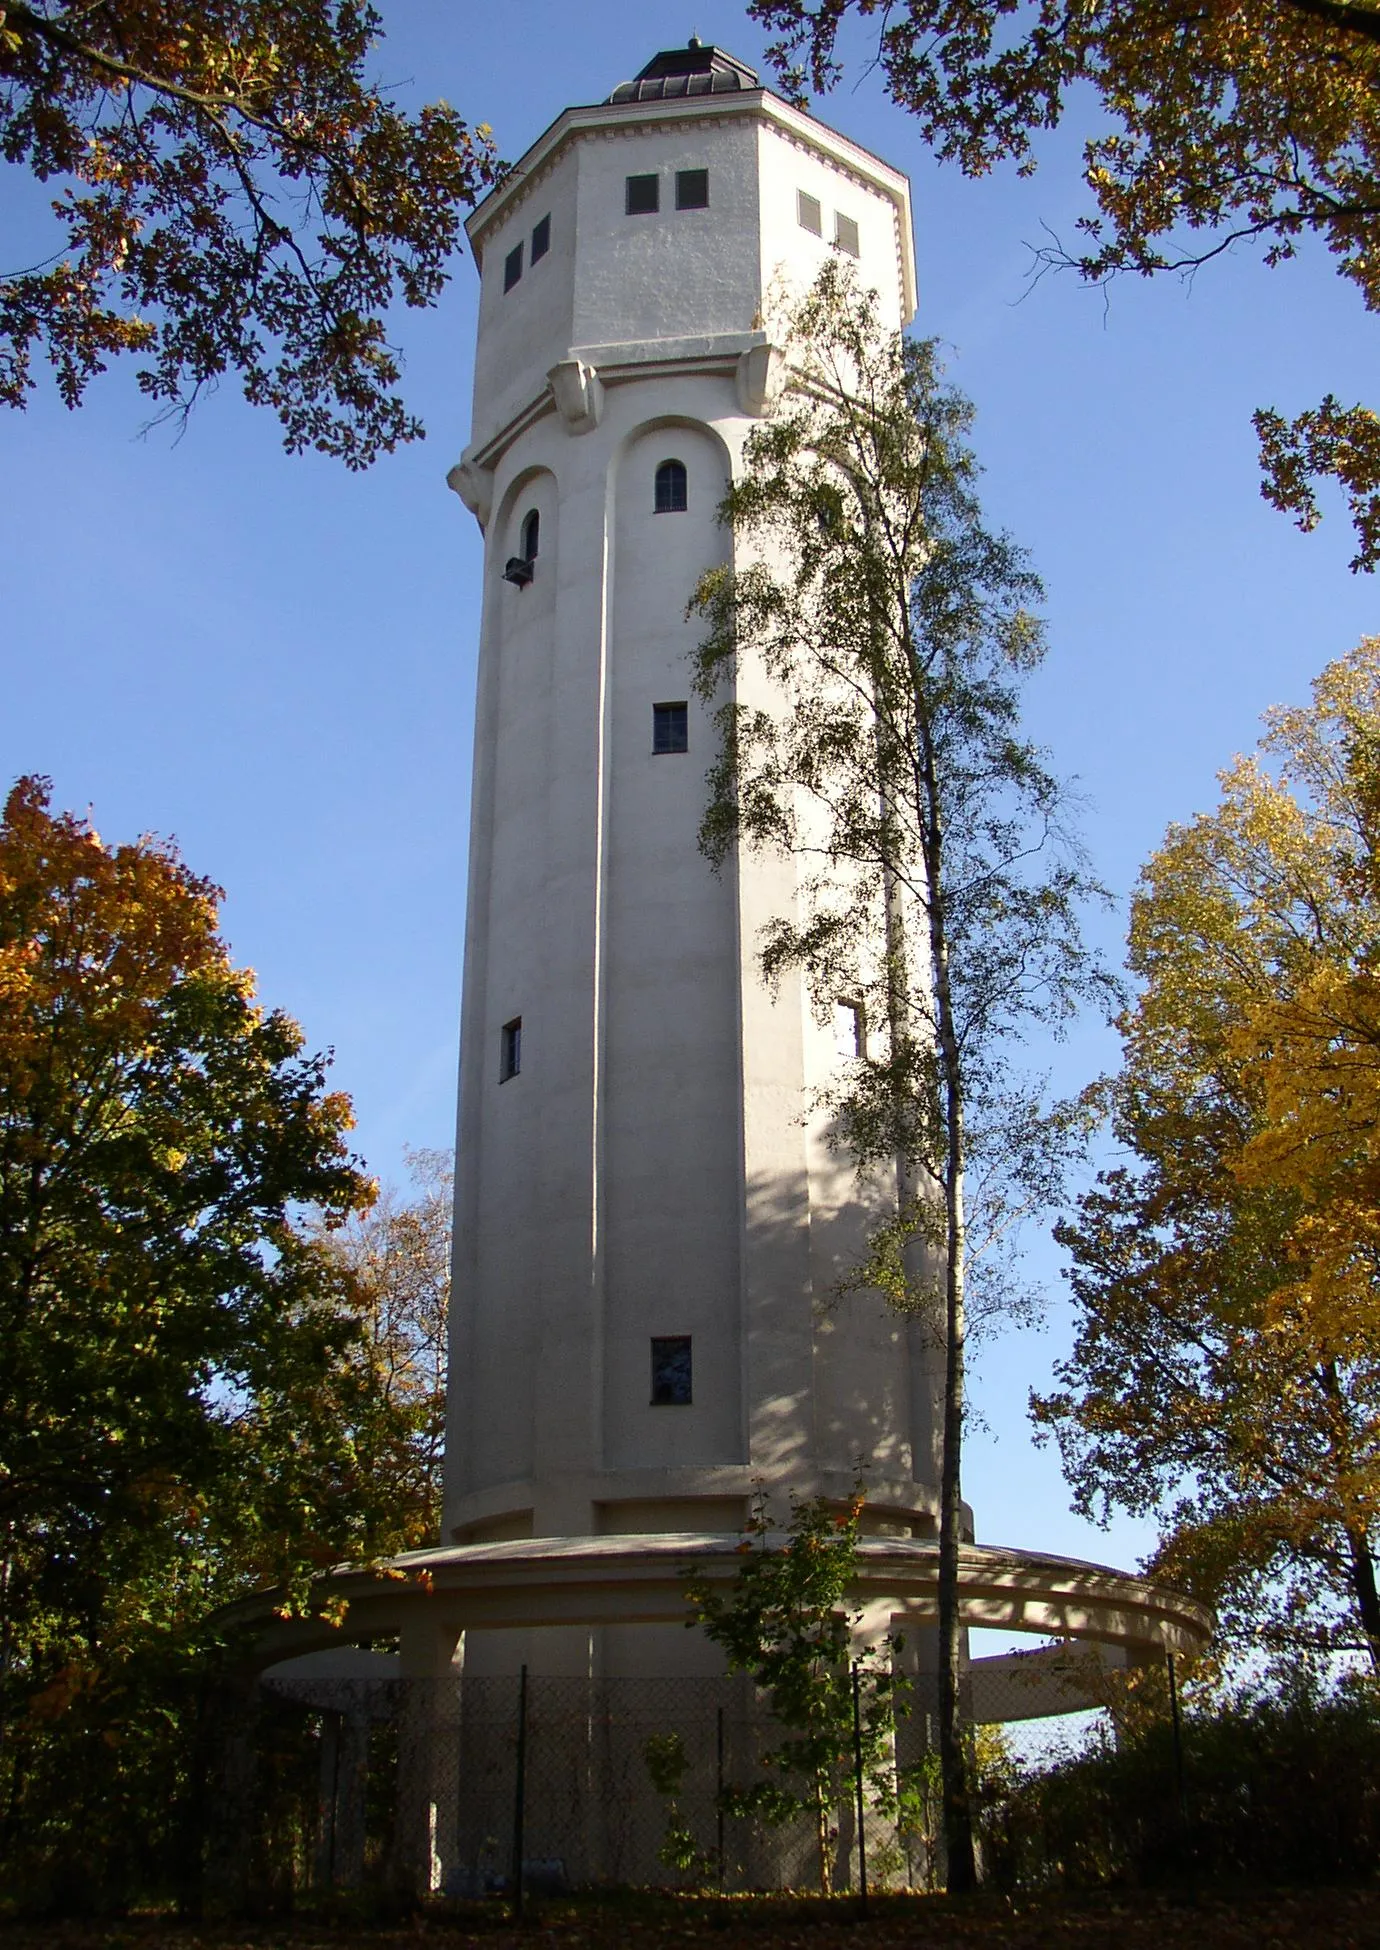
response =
{"points": [[655, 1168]]}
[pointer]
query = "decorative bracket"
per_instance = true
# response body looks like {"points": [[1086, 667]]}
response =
{"points": [[579, 394], [475, 486], [761, 374]]}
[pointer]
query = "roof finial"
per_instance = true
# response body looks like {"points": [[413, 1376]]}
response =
{"points": [[695, 41]]}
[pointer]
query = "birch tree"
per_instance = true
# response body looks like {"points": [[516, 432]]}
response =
{"points": [[936, 880]]}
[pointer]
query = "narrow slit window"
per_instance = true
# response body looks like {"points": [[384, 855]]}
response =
{"points": [[846, 234], [810, 213], [512, 267], [531, 536], [850, 1031], [692, 189], [643, 196], [541, 239], [829, 510], [510, 1050], [671, 488], [671, 1371], [670, 728]]}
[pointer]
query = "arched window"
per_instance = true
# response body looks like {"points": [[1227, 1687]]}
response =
{"points": [[670, 488], [531, 536]]}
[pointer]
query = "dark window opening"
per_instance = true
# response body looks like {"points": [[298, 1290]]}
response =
{"points": [[829, 509], [807, 209], [541, 239], [671, 498], [531, 536], [671, 1371], [512, 267], [670, 728], [644, 196], [692, 189], [510, 1055], [846, 234]]}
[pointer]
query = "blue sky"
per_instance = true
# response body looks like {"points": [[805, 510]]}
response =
{"points": [[274, 660]]}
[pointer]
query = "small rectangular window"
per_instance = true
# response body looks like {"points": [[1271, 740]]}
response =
{"points": [[846, 234], [510, 1053], [692, 189], [512, 267], [671, 1376], [644, 195], [541, 239], [670, 728], [811, 216], [850, 1030]]}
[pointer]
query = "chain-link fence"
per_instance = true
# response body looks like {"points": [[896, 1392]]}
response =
{"points": [[470, 1786], [447, 1786], [298, 1789]]}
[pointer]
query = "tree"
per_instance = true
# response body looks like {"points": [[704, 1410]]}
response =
{"points": [[397, 1256], [785, 1621], [1252, 120], [935, 882], [1227, 1278], [236, 197], [188, 1409]]}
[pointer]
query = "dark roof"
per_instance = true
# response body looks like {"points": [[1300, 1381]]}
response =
{"points": [[692, 70]]}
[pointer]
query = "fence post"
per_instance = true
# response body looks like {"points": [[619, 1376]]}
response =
{"points": [[858, 1791], [1177, 1726], [719, 1798], [520, 1795]]}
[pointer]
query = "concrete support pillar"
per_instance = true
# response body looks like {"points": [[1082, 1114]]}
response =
{"points": [[428, 1753]]}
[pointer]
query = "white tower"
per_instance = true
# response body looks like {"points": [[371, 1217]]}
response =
{"points": [[649, 1222], [648, 1225]]}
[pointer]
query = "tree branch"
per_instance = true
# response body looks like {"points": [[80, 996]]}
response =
{"points": [[1337, 13], [18, 16]]}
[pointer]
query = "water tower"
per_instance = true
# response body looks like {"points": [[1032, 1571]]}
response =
{"points": [[649, 1222], [648, 1228]]}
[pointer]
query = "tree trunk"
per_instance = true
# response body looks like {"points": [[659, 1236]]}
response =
{"points": [[959, 1847], [953, 1750], [826, 1880], [1364, 1588], [1357, 1533]]}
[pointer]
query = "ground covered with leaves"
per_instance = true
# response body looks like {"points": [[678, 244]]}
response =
{"points": [[1334, 1919]]}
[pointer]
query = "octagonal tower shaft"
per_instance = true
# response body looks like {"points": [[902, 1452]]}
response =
{"points": [[649, 1223]]}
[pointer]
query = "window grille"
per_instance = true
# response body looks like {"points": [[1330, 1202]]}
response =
{"points": [[512, 267], [670, 728], [809, 212], [541, 239], [671, 488], [846, 234], [692, 189]]}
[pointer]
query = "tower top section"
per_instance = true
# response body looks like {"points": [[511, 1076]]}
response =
{"points": [[668, 223], [678, 72]]}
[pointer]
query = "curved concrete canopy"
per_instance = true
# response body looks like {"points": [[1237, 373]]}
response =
{"points": [[641, 1580]]}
